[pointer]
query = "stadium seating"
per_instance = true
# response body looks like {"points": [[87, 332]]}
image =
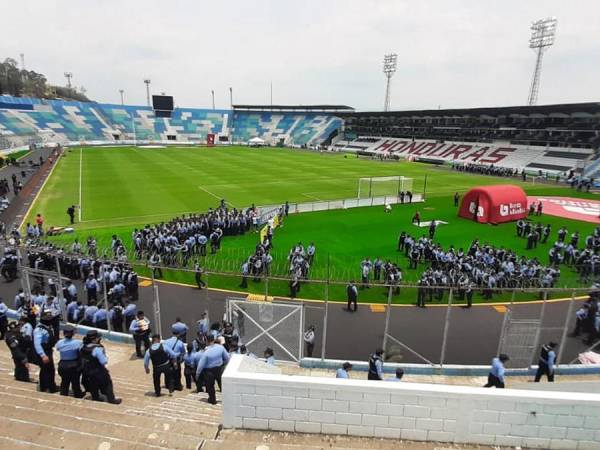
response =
{"points": [[294, 129], [530, 158], [27, 120]]}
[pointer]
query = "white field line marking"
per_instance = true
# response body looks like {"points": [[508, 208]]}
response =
{"points": [[175, 214], [40, 190], [215, 196], [80, 179], [312, 196]]}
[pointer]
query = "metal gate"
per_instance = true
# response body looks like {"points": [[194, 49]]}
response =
{"points": [[519, 339], [34, 281], [262, 324]]}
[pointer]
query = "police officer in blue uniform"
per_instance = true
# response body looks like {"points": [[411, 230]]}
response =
{"points": [[43, 341], [546, 362], [177, 347], [376, 365], [130, 312], [180, 329], [210, 367], [17, 343], [69, 367], [3, 318], [162, 364], [96, 377]]}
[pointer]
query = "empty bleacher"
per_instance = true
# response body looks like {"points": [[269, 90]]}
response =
{"points": [[26, 120], [532, 158]]}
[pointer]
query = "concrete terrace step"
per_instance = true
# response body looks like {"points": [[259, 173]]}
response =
{"points": [[247, 439], [107, 428], [16, 444], [39, 434], [144, 394], [203, 415], [86, 410]]}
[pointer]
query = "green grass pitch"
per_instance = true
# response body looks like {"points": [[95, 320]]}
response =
{"points": [[122, 188]]}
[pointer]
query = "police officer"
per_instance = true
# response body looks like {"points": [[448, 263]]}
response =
{"points": [[496, 375], [352, 294], [130, 312], [177, 352], [140, 328], [198, 274], [3, 318], [376, 365], [162, 363], [101, 318], [71, 213], [115, 315], [96, 377], [210, 367], [52, 306], [43, 341], [180, 329], [18, 349], [546, 362], [309, 340], [69, 367]]}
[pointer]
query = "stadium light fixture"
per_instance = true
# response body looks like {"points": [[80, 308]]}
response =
{"points": [[148, 81], [543, 32], [212, 92], [231, 97], [121, 91], [69, 76], [389, 68]]}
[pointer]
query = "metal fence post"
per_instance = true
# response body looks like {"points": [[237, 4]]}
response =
{"points": [[539, 330], [446, 327], [156, 305], [324, 340], [387, 318], [59, 290], [266, 287], [563, 339], [105, 292]]}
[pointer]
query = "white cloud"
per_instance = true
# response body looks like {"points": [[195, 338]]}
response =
{"points": [[451, 53]]}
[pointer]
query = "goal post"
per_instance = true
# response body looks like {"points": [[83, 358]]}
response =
{"points": [[369, 187]]}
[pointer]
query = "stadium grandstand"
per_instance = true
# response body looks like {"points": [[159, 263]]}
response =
{"points": [[553, 138], [25, 121]]}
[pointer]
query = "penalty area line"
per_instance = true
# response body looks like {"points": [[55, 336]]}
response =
{"points": [[312, 196], [215, 196]]}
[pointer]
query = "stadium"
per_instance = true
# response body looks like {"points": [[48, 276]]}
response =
{"points": [[321, 233]]}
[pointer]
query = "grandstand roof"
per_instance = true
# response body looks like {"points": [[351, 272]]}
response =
{"points": [[543, 110], [311, 108]]}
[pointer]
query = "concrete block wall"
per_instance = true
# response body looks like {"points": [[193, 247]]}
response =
{"points": [[421, 412]]}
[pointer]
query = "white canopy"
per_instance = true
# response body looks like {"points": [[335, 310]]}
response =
{"points": [[256, 141]]}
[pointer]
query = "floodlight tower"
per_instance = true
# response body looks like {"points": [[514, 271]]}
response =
{"points": [[542, 37], [122, 92], [389, 68], [69, 76], [147, 81]]}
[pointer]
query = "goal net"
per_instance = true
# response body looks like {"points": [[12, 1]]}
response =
{"points": [[383, 186]]}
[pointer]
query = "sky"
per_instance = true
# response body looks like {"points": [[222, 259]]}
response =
{"points": [[451, 53]]}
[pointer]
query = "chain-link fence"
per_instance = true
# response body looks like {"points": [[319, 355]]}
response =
{"points": [[414, 323]]}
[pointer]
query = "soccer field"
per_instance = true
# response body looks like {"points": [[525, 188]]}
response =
{"points": [[121, 188]]}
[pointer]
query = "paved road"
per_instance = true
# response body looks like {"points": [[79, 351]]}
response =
{"points": [[472, 336], [33, 181]]}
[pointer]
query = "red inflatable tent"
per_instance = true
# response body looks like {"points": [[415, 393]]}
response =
{"points": [[494, 204]]}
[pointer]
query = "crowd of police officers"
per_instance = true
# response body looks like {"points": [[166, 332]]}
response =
{"points": [[82, 362]]}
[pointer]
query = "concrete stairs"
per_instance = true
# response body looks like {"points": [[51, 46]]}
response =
{"points": [[30, 419], [33, 420]]}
